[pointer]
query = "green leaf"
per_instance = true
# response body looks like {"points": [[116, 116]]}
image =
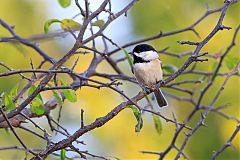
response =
{"points": [[48, 23], [69, 24], [231, 61], [13, 91], [135, 111], [141, 125], [64, 3], [31, 90], [157, 124], [69, 94], [37, 106], [169, 68], [36, 102], [58, 98], [98, 23], [136, 114], [63, 154], [128, 57], [9, 105]]}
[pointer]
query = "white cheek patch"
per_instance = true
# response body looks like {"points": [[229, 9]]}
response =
{"points": [[136, 54], [149, 55]]}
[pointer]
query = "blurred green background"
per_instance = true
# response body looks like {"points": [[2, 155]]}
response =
{"points": [[117, 138]]}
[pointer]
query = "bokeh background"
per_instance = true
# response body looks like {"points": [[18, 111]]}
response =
{"points": [[117, 138]]}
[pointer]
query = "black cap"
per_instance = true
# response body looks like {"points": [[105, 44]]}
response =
{"points": [[143, 47]]}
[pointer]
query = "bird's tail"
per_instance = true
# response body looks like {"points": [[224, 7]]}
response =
{"points": [[161, 100]]}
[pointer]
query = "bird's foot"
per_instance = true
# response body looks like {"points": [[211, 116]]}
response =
{"points": [[162, 82], [147, 89]]}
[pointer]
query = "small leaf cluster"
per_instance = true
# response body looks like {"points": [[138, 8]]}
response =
{"points": [[156, 120], [37, 104], [68, 24], [7, 99]]}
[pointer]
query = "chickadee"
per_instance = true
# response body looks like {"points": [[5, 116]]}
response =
{"points": [[147, 70]]}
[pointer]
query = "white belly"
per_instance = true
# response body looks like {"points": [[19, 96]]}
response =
{"points": [[148, 73]]}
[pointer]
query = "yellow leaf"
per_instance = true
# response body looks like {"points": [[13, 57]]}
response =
{"points": [[69, 24]]}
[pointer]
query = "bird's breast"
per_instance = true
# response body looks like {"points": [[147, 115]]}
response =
{"points": [[148, 73]]}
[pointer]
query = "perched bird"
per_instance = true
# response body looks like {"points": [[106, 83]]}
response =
{"points": [[148, 70]]}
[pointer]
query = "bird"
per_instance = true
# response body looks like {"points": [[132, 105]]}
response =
{"points": [[147, 69]]}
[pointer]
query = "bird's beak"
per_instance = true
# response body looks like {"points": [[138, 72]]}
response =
{"points": [[130, 53]]}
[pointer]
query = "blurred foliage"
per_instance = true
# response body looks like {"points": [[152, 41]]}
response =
{"points": [[118, 136]]}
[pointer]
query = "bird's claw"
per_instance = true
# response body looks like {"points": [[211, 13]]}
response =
{"points": [[162, 82], [147, 89]]}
